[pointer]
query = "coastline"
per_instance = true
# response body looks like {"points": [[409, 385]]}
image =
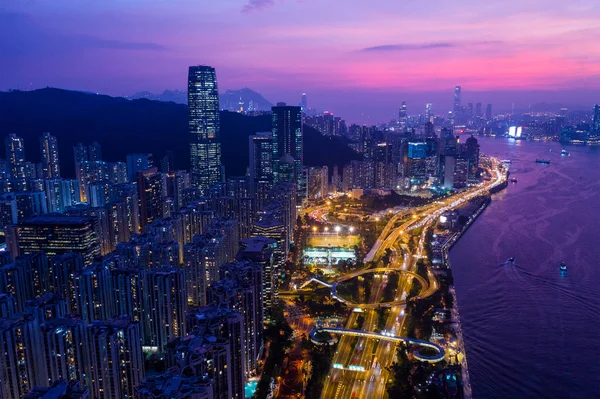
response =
{"points": [[467, 389]]}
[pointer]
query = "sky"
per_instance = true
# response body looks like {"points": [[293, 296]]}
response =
{"points": [[358, 59]]}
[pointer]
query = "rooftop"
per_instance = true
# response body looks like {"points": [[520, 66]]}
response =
{"points": [[56, 220]]}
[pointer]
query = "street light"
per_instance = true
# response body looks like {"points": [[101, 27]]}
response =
{"points": [[338, 229], [314, 228], [351, 229], [326, 228]]}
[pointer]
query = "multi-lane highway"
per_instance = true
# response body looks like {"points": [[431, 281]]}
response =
{"points": [[370, 357]]}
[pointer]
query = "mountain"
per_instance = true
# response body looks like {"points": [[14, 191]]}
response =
{"points": [[123, 126], [176, 96], [231, 100]]}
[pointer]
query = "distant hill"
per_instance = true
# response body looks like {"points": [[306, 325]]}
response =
{"points": [[232, 99], [124, 126], [229, 101]]}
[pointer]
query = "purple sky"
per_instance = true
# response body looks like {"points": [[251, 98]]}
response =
{"points": [[358, 59]]}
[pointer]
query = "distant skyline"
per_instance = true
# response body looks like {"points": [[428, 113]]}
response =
{"points": [[358, 60]]}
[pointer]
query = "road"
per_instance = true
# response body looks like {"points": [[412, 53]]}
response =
{"points": [[376, 355]]}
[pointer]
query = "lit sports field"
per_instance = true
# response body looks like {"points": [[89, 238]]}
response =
{"points": [[324, 241]]}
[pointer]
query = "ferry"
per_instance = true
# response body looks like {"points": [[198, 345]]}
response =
{"points": [[513, 180], [542, 161], [564, 153], [506, 161], [563, 267]]}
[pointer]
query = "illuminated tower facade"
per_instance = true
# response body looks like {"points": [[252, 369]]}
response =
{"points": [[204, 127]]}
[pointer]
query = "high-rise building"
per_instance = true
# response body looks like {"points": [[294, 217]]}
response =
{"points": [[402, 114], [471, 153], [49, 152], [335, 180], [317, 186], [102, 224], [151, 189], [225, 324], [177, 183], [261, 166], [56, 235], [61, 194], [240, 289], [124, 212], [93, 293], [260, 250], [288, 140], [8, 212], [29, 203], [166, 305], [115, 358], [137, 163], [63, 272], [63, 354], [596, 120], [203, 354], [95, 152], [456, 170], [457, 100], [204, 127], [99, 193], [429, 112], [21, 347], [488, 112], [15, 155]]}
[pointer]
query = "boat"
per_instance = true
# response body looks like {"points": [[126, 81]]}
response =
{"points": [[513, 180], [506, 161], [511, 259], [563, 267], [542, 161], [564, 153]]}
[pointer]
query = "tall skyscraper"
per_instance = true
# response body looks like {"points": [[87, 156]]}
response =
{"points": [[261, 166], [488, 112], [457, 100], [596, 122], [429, 112], [49, 152], [15, 155], [204, 127], [402, 114], [288, 140], [471, 152]]}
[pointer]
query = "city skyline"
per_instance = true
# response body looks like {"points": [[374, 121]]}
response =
{"points": [[362, 62], [309, 246]]}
